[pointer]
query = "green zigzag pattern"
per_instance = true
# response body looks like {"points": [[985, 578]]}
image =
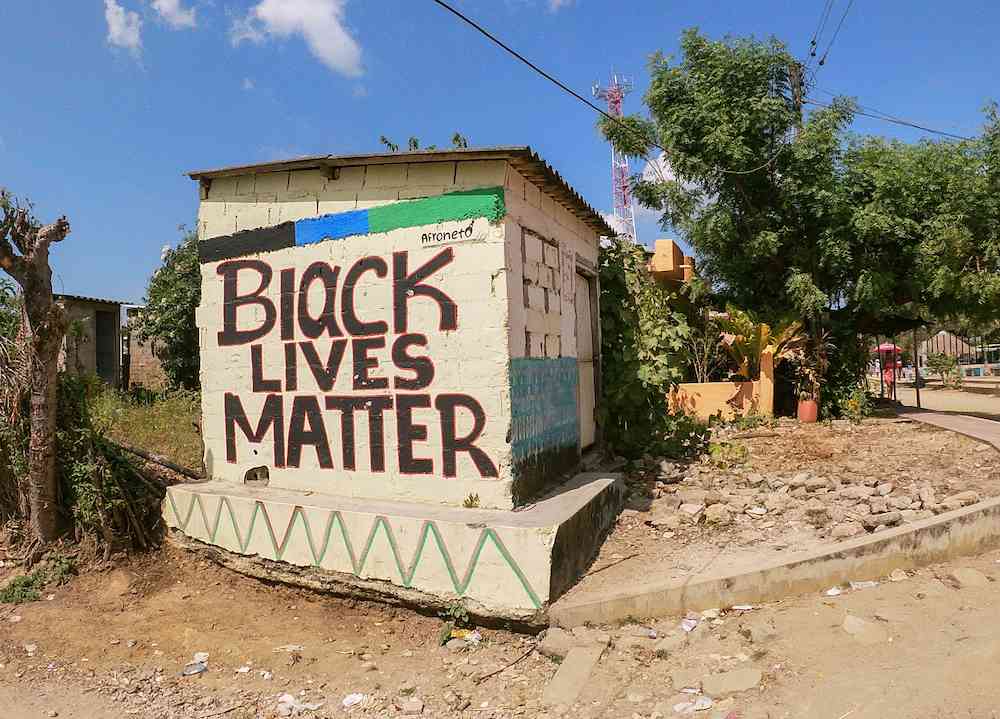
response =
{"points": [[406, 574]]}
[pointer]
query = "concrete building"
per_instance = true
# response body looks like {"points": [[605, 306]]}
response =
{"points": [[93, 342], [142, 366], [397, 351]]}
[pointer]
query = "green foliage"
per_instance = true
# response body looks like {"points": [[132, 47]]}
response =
{"points": [[164, 422], [642, 352], [788, 215], [102, 492], [57, 570], [946, 367], [456, 615], [747, 422], [10, 311], [168, 320], [26, 588], [458, 141], [471, 502], [745, 340], [727, 454]]}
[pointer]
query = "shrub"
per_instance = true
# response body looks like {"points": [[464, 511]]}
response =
{"points": [[642, 354]]}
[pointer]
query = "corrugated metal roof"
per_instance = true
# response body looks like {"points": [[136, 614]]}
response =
{"points": [[521, 157], [82, 298]]}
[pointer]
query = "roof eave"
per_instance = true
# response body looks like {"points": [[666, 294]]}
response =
{"points": [[521, 157]]}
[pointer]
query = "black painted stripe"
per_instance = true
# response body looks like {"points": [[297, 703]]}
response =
{"points": [[247, 242]]}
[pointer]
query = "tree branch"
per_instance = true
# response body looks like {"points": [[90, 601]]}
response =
{"points": [[55, 232], [10, 262]]}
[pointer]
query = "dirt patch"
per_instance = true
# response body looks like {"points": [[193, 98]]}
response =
{"points": [[790, 488], [127, 633]]}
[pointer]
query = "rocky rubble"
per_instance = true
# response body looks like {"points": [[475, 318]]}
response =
{"points": [[854, 500]]}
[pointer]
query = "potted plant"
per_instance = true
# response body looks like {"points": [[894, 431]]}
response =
{"points": [[808, 390]]}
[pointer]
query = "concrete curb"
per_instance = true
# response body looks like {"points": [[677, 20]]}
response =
{"points": [[965, 531]]}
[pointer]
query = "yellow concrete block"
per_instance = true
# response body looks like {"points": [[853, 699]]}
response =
{"points": [[245, 184], [222, 188], [481, 173], [307, 181], [271, 183], [342, 201], [532, 195], [346, 178], [381, 176], [431, 173], [411, 192], [373, 197]]}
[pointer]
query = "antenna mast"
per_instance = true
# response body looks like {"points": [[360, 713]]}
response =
{"points": [[621, 194]]}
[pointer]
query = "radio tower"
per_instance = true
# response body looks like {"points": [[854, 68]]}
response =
{"points": [[621, 195]]}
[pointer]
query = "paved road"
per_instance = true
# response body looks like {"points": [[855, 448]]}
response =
{"points": [[947, 400]]}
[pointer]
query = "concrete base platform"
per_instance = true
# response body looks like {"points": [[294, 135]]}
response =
{"points": [[970, 530], [500, 564]]}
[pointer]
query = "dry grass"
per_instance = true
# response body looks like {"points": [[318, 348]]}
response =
{"points": [[166, 425]]}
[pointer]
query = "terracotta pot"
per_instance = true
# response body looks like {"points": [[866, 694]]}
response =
{"points": [[808, 410]]}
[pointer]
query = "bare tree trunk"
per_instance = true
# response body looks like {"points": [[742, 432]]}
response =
{"points": [[43, 482], [24, 255]]}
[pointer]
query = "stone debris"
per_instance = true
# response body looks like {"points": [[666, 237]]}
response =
{"points": [[863, 631], [845, 530], [686, 679], [719, 514], [412, 707], [724, 684], [883, 519], [572, 676], [289, 706], [968, 577]]}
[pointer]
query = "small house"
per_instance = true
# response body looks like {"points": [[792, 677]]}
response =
{"points": [[93, 342]]}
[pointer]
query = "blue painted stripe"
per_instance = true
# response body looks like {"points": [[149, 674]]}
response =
{"points": [[331, 227]]}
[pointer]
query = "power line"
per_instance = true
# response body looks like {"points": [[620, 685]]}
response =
{"points": [[883, 115], [822, 60], [497, 41], [895, 120], [820, 26]]}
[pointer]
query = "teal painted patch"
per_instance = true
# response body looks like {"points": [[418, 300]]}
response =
{"points": [[544, 405]]}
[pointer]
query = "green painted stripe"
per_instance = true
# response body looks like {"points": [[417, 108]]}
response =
{"points": [[464, 205]]}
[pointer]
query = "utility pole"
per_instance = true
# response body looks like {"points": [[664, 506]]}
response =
{"points": [[621, 193]]}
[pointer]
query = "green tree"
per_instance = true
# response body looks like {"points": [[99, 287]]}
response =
{"points": [[943, 365], [168, 319], [785, 213], [643, 344]]}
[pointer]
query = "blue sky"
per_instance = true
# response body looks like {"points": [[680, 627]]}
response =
{"points": [[109, 102]]}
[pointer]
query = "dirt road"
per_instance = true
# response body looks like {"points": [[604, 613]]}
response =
{"points": [[112, 645]]}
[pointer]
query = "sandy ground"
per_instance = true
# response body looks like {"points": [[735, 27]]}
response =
{"points": [[932, 653], [980, 404], [112, 643]]}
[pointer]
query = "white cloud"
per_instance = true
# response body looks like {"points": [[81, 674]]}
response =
{"points": [[319, 22], [557, 5], [248, 83], [175, 14], [124, 26]]}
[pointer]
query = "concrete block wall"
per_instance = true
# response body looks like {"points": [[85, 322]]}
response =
{"points": [[252, 201], [469, 360], [542, 270]]}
